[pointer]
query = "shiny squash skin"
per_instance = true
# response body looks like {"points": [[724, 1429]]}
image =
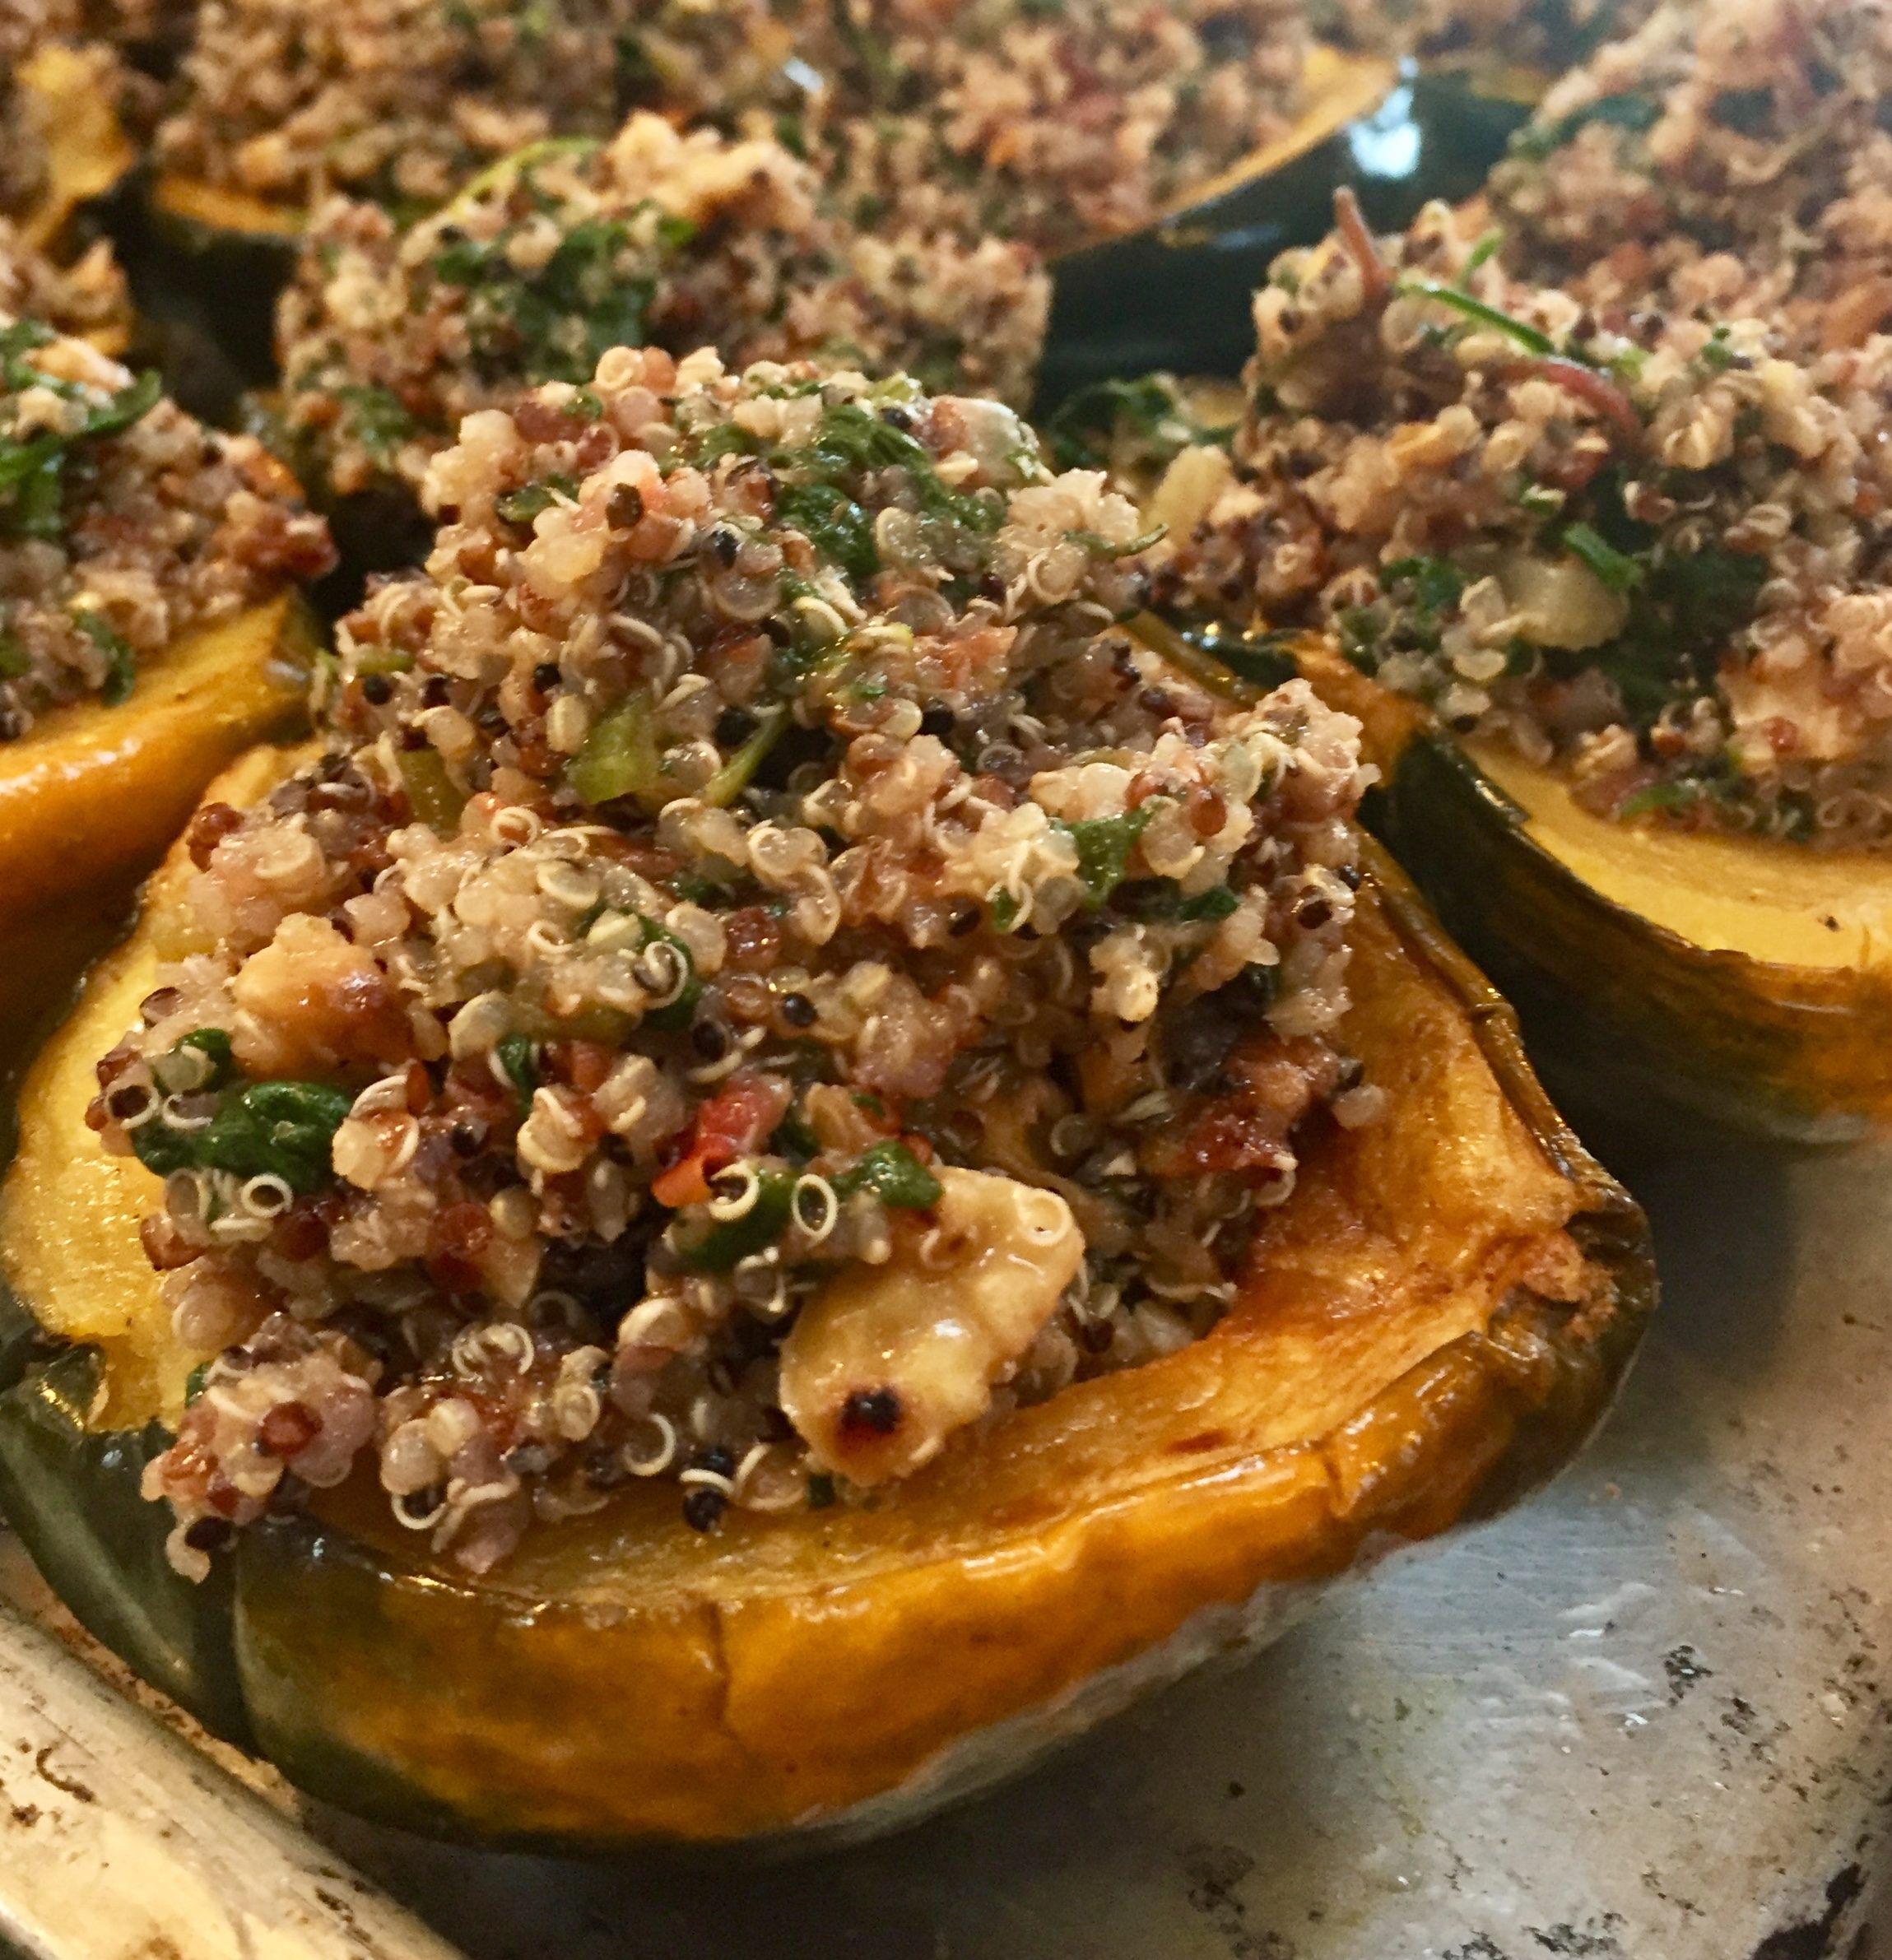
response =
{"points": [[1443, 1310], [1668, 983]]}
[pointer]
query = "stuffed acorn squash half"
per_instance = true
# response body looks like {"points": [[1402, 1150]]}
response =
{"points": [[148, 627], [785, 1166], [1609, 591]]}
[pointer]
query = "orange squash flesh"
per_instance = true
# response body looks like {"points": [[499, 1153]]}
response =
{"points": [[1682, 982], [1437, 1317], [91, 792], [87, 152]]}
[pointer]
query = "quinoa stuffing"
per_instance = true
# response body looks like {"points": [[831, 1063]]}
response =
{"points": [[1654, 552], [123, 523], [1057, 123], [769, 971], [87, 297], [1731, 158], [390, 335], [400, 99]]}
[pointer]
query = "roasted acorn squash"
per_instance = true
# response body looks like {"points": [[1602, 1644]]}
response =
{"points": [[92, 792], [1443, 1310], [1680, 980]]}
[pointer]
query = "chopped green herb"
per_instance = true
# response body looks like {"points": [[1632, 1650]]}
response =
{"points": [[556, 321], [1527, 337], [833, 524], [1486, 248], [121, 664], [377, 419], [213, 1043], [521, 506], [1148, 413], [680, 1012], [1617, 570], [518, 1062], [259, 1128], [32, 471], [1161, 898], [1100, 546], [1104, 845], [1636, 113], [1437, 584], [891, 1170], [1717, 354], [729, 1241]]}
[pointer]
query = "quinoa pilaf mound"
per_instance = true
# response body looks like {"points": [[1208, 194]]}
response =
{"points": [[1055, 125], [1654, 552], [87, 297], [400, 100], [1729, 158], [768, 973], [124, 524], [389, 335]]}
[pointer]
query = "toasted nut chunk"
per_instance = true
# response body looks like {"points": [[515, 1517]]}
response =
{"points": [[885, 1362]]}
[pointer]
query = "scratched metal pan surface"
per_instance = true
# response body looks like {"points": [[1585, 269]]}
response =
{"points": [[1642, 1718]]}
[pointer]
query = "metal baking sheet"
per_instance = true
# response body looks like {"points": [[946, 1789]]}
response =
{"points": [[1643, 1718]]}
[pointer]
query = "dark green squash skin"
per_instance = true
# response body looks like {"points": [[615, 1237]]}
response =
{"points": [[101, 1546], [1628, 1025], [1178, 295]]}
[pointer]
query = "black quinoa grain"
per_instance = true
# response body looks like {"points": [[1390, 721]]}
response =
{"points": [[871, 1411], [703, 1508]]}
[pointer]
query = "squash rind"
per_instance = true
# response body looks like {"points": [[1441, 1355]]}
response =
{"points": [[1624, 1014], [1628, 1021]]}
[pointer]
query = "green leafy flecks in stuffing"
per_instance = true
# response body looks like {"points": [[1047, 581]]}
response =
{"points": [[33, 467], [1104, 845], [377, 419], [258, 1129], [729, 1241], [592, 294], [518, 1059], [895, 1174], [121, 664], [1635, 113], [521, 506], [1147, 416]]}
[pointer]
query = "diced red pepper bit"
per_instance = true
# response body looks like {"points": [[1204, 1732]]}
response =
{"points": [[729, 1126]]}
